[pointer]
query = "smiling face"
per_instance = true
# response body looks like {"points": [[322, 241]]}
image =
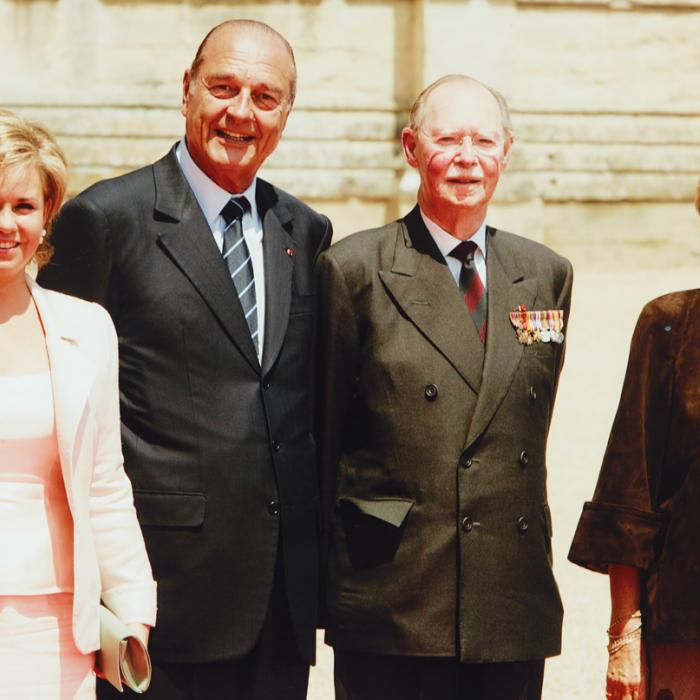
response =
{"points": [[459, 148], [236, 104], [22, 216]]}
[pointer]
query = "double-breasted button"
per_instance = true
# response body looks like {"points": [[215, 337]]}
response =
{"points": [[276, 446], [467, 523], [273, 508], [524, 459], [431, 392], [465, 460], [522, 525], [533, 393]]}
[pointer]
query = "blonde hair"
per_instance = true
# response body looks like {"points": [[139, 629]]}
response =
{"points": [[23, 142], [697, 197]]}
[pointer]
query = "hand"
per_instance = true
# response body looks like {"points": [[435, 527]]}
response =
{"points": [[627, 673], [140, 631]]}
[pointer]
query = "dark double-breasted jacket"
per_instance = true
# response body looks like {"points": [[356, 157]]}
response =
{"points": [[433, 449]]}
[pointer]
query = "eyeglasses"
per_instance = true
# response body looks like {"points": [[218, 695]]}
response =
{"points": [[485, 145]]}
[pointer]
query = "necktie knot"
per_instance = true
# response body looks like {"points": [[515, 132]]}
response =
{"points": [[464, 252], [234, 209], [471, 286]]}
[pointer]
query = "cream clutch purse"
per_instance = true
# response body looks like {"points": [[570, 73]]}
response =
{"points": [[122, 658]]}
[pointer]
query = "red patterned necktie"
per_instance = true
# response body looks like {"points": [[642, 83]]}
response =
{"points": [[471, 286]]}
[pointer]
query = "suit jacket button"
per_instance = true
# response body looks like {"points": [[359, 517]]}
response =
{"points": [[431, 392], [467, 523], [522, 525], [524, 459], [273, 508], [533, 394], [465, 460], [276, 446], [266, 384]]}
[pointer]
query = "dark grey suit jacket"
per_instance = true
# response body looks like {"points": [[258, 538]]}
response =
{"points": [[219, 450], [433, 449]]}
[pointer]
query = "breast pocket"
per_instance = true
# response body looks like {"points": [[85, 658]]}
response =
{"points": [[541, 350], [541, 359]]}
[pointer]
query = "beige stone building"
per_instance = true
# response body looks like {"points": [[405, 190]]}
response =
{"points": [[605, 95]]}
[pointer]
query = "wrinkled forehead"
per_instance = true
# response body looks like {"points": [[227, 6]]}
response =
{"points": [[461, 107], [255, 53]]}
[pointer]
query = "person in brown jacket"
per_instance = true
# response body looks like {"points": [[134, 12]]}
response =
{"points": [[442, 340], [643, 525]]}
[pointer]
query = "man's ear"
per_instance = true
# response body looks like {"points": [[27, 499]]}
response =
{"points": [[186, 78], [288, 111], [507, 147], [408, 143]]}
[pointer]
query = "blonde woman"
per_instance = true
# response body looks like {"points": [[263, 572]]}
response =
{"points": [[68, 531]]}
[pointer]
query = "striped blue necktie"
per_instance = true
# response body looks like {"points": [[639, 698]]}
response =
{"points": [[239, 262]]}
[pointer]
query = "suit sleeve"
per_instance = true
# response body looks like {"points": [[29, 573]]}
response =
{"points": [[338, 351], [325, 238], [128, 588], [82, 259], [564, 303], [621, 524]]}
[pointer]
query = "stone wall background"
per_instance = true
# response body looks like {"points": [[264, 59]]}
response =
{"points": [[606, 105], [605, 95]]}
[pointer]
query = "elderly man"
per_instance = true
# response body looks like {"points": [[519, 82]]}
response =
{"points": [[207, 272], [441, 345]]}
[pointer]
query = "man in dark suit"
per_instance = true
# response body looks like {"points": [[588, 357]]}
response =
{"points": [[207, 272], [441, 343]]}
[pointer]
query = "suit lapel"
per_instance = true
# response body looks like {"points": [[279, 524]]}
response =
{"points": [[507, 288], [423, 287], [185, 234], [279, 265], [72, 376]]}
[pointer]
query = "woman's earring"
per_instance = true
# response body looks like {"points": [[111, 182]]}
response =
{"points": [[43, 235]]}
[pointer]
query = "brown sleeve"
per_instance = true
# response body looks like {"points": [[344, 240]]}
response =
{"points": [[621, 524]]}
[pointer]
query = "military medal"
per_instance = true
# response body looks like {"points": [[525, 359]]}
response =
{"points": [[544, 326]]}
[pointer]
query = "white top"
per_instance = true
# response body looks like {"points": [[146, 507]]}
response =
{"points": [[447, 243], [36, 527], [212, 199]]}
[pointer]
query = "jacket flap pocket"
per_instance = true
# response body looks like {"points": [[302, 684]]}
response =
{"points": [[390, 510], [169, 509], [373, 528]]}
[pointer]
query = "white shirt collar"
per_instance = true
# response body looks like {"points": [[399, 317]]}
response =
{"points": [[446, 242], [211, 198]]}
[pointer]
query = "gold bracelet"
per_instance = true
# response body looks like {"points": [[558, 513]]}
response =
{"points": [[634, 616], [613, 637], [624, 639]]}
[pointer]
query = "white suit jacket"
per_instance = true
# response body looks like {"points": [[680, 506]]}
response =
{"points": [[110, 560]]}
